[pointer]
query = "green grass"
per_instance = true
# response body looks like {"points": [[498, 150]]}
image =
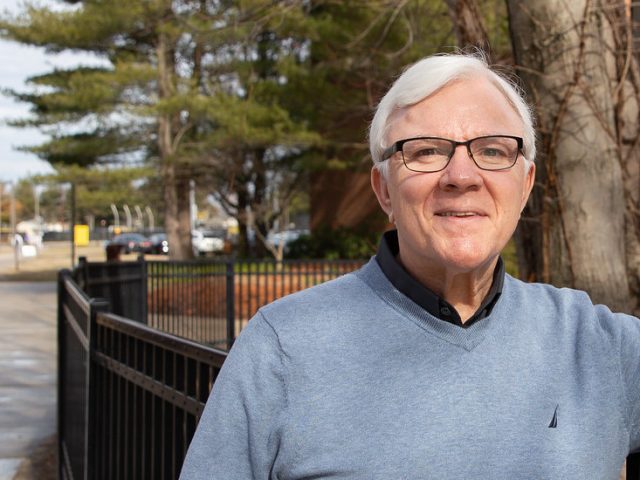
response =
{"points": [[47, 275]]}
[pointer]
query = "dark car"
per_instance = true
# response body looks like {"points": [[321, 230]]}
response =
{"points": [[159, 244], [131, 242]]}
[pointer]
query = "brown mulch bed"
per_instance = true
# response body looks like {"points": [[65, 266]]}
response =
{"points": [[207, 297]]}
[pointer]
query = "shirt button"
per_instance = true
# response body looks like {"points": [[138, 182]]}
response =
{"points": [[445, 311]]}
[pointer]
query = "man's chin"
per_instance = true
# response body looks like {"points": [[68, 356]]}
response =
{"points": [[466, 261]]}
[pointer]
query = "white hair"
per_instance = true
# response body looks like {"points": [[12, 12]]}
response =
{"points": [[427, 76]]}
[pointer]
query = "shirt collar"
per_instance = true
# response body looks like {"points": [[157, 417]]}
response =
{"points": [[423, 296]]}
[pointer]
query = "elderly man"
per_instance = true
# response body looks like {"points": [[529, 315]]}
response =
{"points": [[430, 362]]}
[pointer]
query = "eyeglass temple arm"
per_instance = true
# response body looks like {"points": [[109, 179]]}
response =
{"points": [[388, 152]]}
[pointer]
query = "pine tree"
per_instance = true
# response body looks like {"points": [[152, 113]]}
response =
{"points": [[191, 89]]}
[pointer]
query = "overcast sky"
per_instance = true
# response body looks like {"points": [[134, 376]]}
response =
{"points": [[19, 62]]}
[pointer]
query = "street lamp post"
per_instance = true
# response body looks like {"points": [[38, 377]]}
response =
{"points": [[73, 224]]}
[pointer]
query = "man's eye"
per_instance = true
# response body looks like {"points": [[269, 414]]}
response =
{"points": [[492, 152], [429, 151], [426, 152]]}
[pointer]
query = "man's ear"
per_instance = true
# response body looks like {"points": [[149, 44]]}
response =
{"points": [[381, 189]]}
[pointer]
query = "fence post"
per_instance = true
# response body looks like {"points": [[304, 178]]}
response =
{"points": [[62, 360], [144, 292], [95, 306], [231, 303], [80, 274]]}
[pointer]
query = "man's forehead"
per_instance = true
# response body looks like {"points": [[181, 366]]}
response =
{"points": [[458, 101]]}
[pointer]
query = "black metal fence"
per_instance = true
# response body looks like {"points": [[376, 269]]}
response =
{"points": [[633, 467], [122, 284], [211, 302], [129, 396], [208, 301]]}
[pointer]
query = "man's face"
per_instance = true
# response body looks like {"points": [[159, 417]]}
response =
{"points": [[460, 218]]}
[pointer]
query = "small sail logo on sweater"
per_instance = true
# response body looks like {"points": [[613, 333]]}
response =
{"points": [[554, 420]]}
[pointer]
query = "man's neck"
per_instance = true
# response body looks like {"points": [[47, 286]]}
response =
{"points": [[464, 290]]}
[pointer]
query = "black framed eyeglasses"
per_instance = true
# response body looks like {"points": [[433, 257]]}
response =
{"points": [[432, 154]]}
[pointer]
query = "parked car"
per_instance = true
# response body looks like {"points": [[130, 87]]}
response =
{"points": [[208, 241], [159, 244], [131, 242]]}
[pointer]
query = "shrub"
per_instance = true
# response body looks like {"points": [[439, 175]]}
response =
{"points": [[332, 244]]}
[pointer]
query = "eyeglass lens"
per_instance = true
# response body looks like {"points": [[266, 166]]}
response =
{"points": [[433, 154]]}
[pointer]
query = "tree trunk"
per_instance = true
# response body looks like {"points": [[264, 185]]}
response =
{"points": [[628, 123], [575, 228], [467, 24], [258, 204], [175, 184], [244, 242]]}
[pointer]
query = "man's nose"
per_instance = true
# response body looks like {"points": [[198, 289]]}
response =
{"points": [[461, 172]]}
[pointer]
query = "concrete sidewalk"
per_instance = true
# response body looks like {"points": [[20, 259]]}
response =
{"points": [[27, 372]]}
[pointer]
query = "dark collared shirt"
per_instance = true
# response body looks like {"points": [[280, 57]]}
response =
{"points": [[426, 298]]}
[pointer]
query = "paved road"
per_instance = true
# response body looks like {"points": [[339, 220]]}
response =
{"points": [[27, 370]]}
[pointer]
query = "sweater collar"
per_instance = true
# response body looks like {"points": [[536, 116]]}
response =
{"points": [[467, 338], [425, 297]]}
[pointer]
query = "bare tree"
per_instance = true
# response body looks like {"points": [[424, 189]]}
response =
{"points": [[581, 227], [467, 23]]}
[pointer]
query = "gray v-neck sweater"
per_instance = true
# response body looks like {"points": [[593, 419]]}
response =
{"points": [[353, 380]]}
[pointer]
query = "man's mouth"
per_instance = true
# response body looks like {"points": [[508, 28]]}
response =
{"points": [[458, 214]]}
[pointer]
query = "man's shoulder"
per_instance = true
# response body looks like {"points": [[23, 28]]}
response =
{"points": [[318, 300], [545, 295], [567, 308], [324, 314]]}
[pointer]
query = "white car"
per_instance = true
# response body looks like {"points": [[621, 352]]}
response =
{"points": [[207, 241]]}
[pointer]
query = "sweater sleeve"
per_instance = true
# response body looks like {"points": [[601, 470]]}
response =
{"points": [[238, 434], [630, 368], [627, 330]]}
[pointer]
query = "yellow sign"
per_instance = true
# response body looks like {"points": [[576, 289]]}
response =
{"points": [[81, 235]]}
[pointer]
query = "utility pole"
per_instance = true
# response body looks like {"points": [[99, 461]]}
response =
{"points": [[193, 207], [36, 200], [16, 245]]}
